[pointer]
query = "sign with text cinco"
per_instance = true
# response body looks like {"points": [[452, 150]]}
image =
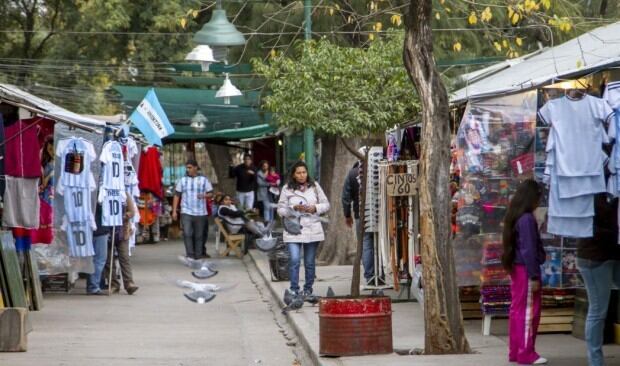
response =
{"points": [[402, 184]]}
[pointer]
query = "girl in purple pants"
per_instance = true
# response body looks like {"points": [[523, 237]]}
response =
{"points": [[522, 258]]}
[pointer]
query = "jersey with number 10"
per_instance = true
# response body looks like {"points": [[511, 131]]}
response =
{"points": [[113, 166], [112, 207]]}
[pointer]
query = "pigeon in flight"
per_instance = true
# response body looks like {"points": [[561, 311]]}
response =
{"points": [[204, 273], [203, 286], [196, 263], [200, 297]]}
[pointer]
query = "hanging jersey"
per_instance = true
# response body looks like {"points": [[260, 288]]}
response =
{"points": [[113, 166], [76, 155], [112, 206], [79, 238], [77, 204]]}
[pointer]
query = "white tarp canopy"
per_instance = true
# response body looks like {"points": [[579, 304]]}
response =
{"points": [[597, 49], [11, 93]]}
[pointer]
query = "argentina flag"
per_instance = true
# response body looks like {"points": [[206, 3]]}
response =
{"points": [[149, 117]]}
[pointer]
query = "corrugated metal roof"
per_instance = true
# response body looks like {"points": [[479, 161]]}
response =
{"points": [[594, 50]]}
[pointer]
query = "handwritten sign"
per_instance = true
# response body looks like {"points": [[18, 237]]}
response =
{"points": [[402, 184]]}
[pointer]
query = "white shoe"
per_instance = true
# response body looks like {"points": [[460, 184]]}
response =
{"points": [[540, 361]]}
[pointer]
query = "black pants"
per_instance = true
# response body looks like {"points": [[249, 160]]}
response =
{"points": [[193, 234]]}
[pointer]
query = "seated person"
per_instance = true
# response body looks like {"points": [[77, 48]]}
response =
{"points": [[236, 220]]}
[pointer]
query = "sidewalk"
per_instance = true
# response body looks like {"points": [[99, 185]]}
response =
{"points": [[408, 331]]}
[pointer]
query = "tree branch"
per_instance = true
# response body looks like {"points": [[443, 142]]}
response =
{"points": [[39, 48], [351, 149]]}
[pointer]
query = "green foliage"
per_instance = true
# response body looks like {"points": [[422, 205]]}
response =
{"points": [[342, 91]]}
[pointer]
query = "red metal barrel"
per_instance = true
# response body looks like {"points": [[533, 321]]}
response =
{"points": [[353, 327]]}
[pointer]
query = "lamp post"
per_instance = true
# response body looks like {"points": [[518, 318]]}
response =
{"points": [[308, 132]]}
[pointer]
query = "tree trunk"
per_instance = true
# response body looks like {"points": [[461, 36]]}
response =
{"points": [[360, 230], [444, 332], [339, 246], [220, 158]]}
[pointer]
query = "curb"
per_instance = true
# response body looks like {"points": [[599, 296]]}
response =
{"points": [[300, 335]]}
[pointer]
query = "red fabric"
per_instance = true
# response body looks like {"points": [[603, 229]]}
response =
{"points": [[22, 150], [150, 172], [44, 234]]}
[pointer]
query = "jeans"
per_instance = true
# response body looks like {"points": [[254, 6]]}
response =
{"points": [[294, 250], [598, 278], [245, 200], [100, 244], [193, 234], [368, 254], [267, 211]]}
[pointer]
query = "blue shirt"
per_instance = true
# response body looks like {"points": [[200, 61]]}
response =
{"points": [[190, 188]]}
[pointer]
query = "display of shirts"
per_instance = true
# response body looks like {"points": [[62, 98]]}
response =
{"points": [[77, 204], [577, 134], [75, 172], [192, 190], [79, 238], [150, 173], [112, 207], [22, 149], [113, 166]]}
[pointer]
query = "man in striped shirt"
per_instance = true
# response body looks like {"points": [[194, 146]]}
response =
{"points": [[192, 191]]}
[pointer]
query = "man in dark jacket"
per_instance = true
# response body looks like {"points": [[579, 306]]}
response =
{"points": [[351, 197], [598, 260], [246, 182]]}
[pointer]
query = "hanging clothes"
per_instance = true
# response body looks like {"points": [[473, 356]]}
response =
{"points": [[22, 149], [575, 161], [75, 185], [21, 203], [150, 174]]}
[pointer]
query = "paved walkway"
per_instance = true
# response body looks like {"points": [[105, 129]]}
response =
{"points": [[408, 331], [157, 325]]}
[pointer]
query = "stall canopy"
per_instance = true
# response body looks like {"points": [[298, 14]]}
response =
{"points": [[15, 96], [590, 52], [242, 119]]}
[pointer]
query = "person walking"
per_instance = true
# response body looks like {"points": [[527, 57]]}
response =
{"points": [[100, 245], [303, 196], [192, 192], [351, 197], [246, 182], [522, 257], [598, 260], [121, 246], [262, 193]]}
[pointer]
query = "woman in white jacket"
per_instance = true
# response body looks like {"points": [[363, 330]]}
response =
{"points": [[304, 195]]}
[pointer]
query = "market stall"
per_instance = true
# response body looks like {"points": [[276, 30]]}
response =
{"points": [[516, 122]]}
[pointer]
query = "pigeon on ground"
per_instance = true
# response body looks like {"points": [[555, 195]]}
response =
{"points": [[330, 292], [296, 303], [377, 292], [204, 273], [196, 263], [312, 299], [203, 286], [200, 297]]}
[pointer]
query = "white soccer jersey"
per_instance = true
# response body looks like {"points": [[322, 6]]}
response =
{"points": [[77, 204], [82, 178], [112, 206], [79, 238], [113, 166]]}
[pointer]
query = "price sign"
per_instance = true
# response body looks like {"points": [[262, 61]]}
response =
{"points": [[402, 184]]}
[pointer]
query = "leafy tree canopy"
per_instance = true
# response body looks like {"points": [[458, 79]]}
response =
{"points": [[343, 91]]}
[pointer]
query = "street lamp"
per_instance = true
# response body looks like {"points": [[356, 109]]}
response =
{"points": [[202, 54], [228, 90], [219, 33], [198, 121]]}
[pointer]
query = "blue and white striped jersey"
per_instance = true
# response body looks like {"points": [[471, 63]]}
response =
{"points": [[79, 238], [113, 166], [78, 204], [191, 188], [82, 177], [112, 206]]}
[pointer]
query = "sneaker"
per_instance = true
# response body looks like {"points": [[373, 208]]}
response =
{"points": [[540, 361], [98, 293]]}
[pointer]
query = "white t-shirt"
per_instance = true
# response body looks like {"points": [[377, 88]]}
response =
{"points": [[113, 166]]}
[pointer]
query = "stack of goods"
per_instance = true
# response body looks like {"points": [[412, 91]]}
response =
{"points": [[470, 302], [495, 282], [372, 189], [495, 151]]}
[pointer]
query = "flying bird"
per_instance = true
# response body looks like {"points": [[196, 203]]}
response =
{"points": [[211, 287], [204, 273], [200, 297], [197, 263]]}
